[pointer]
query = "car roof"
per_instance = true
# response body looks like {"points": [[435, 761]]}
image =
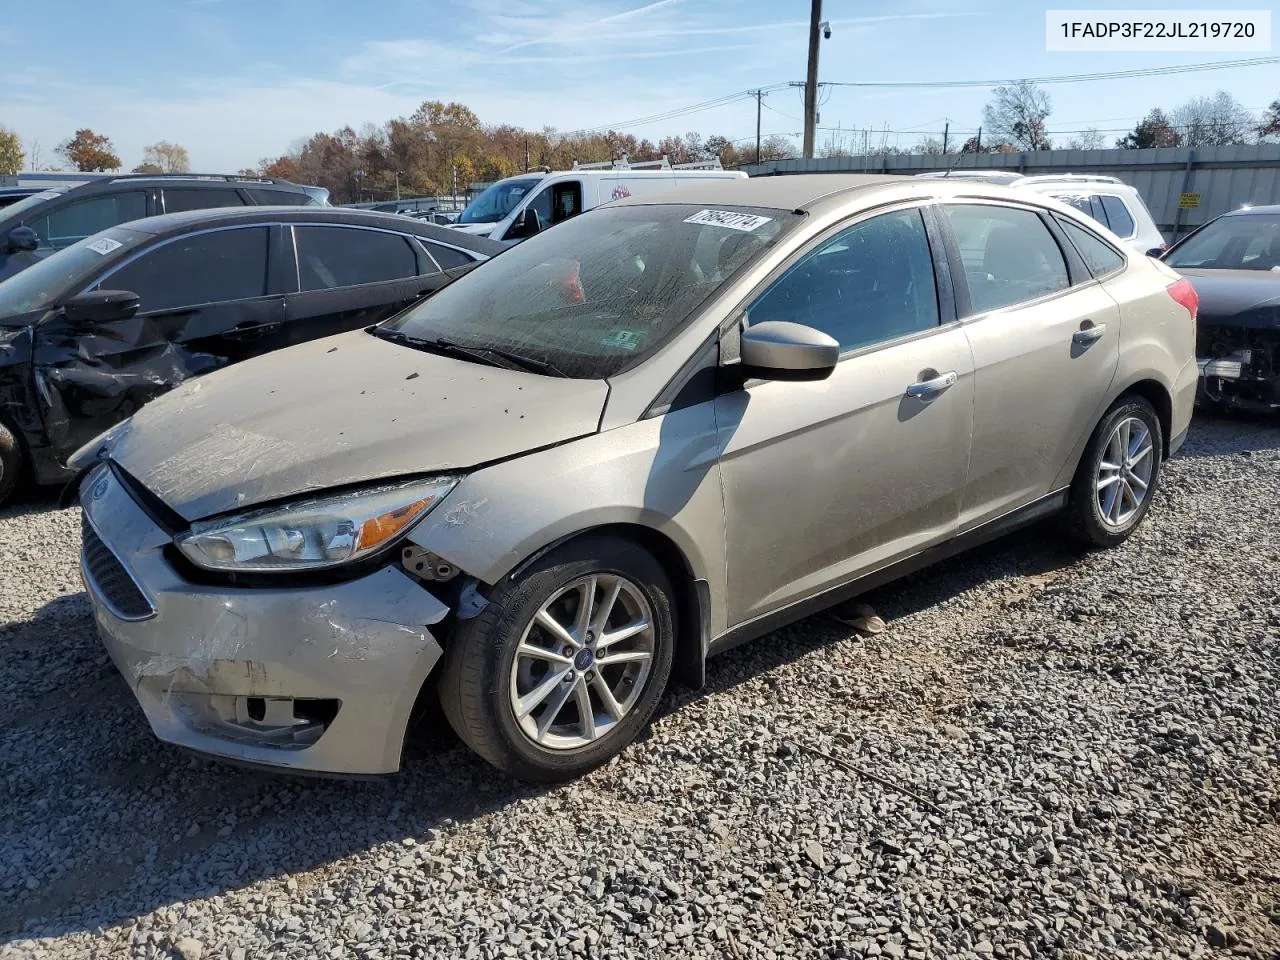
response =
{"points": [[1272, 209], [170, 223], [819, 192]]}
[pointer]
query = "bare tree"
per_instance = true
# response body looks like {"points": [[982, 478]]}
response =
{"points": [[1017, 115], [930, 147], [1090, 139], [1214, 121], [164, 157], [1270, 125]]}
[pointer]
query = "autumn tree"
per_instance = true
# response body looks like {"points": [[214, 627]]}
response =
{"points": [[1154, 130], [90, 152], [1219, 120], [1016, 115], [164, 157], [11, 154]]}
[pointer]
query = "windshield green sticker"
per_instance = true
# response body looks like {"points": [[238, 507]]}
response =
{"points": [[625, 339], [729, 219]]}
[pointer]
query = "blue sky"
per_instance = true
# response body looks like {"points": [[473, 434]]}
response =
{"points": [[238, 80]]}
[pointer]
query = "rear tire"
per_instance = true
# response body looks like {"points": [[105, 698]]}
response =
{"points": [[545, 692], [1117, 476], [12, 463]]}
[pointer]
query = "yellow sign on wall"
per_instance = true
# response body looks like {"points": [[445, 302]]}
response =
{"points": [[1189, 201]]}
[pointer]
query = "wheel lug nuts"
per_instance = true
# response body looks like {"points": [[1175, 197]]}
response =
{"points": [[567, 650]]}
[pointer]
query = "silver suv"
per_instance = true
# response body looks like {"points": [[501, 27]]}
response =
{"points": [[1109, 200], [665, 427]]}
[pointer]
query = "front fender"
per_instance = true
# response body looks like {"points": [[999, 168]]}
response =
{"points": [[661, 474]]}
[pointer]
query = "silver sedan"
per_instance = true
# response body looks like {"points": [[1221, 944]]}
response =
{"points": [[667, 426]]}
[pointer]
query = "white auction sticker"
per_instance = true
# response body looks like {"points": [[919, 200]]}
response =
{"points": [[1148, 31], [105, 245], [728, 219]]}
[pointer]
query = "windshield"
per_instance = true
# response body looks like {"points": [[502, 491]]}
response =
{"points": [[499, 200], [603, 290], [40, 285], [1248, 241], [17, 210]]}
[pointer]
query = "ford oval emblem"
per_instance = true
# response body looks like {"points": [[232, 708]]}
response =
{"points": [[99, 489]]}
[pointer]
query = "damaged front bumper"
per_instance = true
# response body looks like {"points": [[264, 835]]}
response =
{"points": [[1239, 367], [320, 679]]}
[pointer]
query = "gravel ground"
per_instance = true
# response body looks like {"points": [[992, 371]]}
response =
{"points": [[1046, 754]]}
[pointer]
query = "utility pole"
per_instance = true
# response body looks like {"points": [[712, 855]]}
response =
{"points": [[526, 154], [811, 79], [979, 150], [397, 184], [946, 130], [759, 96]]}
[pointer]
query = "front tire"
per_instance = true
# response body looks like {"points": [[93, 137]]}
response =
{"points": [[1118, 474], [564, 667], [12, 463]]}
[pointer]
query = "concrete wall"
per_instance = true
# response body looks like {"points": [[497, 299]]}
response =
{"points": [[1225, 177]]}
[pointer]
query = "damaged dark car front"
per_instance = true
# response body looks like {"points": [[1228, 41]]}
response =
{"points": [[94, 332], [1234, 264]]}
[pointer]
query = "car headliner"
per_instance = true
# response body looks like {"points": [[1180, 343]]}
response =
{"points": [[223, 216]]}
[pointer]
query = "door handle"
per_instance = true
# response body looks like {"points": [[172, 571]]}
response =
{"points": [[1091, 333], [928, 389]]}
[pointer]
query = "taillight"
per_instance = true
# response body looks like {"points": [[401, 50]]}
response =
{"points": [[1185, 294]]}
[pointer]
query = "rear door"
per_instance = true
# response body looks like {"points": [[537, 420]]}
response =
{"points": [[1045, 338], [350, 277], [205, 302]]}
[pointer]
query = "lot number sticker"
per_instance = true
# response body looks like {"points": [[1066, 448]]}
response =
{"points": [[105, 245], [729, 220]]}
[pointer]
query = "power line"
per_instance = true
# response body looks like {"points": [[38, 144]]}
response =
{"points": [[1063, 78]]}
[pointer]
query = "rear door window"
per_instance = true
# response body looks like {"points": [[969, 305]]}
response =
{"points": [[447, 257], [204, 268], [83, 218], [331, 257], [1009, 255], [1118, 216], [1098, 255], [276, 198], [176, 201]]}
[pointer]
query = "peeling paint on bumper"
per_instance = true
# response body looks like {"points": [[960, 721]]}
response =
{"points": [[217, 669]]}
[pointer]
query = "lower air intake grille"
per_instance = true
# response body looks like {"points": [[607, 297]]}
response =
{"points": [[109, 578]]}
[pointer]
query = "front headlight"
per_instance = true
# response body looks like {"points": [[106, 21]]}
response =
{"points": [[312, 534]]}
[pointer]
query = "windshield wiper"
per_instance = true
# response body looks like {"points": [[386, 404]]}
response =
{"points": [[436, 346], [489, 356], [528, 364]]}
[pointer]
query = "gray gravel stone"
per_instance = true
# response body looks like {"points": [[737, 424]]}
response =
{"points": [[1075, 755]]}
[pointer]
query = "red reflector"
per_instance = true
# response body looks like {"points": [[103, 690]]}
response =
{"points": [[1184, 293]]}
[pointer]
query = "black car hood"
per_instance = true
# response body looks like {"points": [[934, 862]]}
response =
{"points": [[1237, 298], [343, 410]]}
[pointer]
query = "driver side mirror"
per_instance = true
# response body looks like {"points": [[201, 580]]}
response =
{"points": [[21, 239], [779, 350], [1157, 252], [100, 306], [526, 225]]}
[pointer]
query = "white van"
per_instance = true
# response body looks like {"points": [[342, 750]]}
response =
{"points": [[518, 207]]}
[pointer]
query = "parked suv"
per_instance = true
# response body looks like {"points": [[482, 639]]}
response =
{"points": [[53, 219], [1109, 200], [669, 425]]}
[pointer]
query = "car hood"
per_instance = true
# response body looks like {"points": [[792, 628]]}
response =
{"points": [[475, 229], [1236, 298], [342, 410]]}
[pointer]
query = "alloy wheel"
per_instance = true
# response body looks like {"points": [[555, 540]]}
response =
{"points": [[1124, 473], [582, 662]]}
